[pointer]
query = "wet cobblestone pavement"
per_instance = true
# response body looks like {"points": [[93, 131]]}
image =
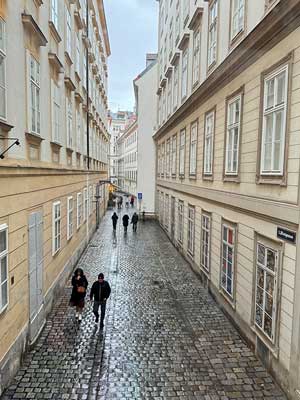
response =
{"points": [[164, 336]]}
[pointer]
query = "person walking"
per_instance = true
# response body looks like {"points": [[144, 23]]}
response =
{"points": [[100, 292], [134, 221], [114, 220], [125, 222], [132, 201], [80, 284]]}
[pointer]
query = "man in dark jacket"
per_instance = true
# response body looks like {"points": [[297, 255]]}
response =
{"points": [[100, 292], [125, 222], [114, 220], [134, 221]]}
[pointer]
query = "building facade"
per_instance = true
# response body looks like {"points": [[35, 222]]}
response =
{"points": [[117, 123], [145, 99], [127, 159], [53, 156], [228, 162]]}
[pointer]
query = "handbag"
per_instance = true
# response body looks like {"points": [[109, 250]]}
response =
{"points": [[81, 289]]}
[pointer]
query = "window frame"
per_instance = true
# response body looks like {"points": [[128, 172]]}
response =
{"points": [[3, 55], [169, 95], [180, 228], [54, 221], [182, 153], [68, 32], [191, 230], [85, 204], [167, 212], [184, 73], [168, 157], [208, 175], [213, 25], [79, 210], [174, 152], [176, 86], [233, 227], [54, 14], [205, 268], [193, 173], [235, 36], [35, 84], [196, 57], [4, 254], [70, 222], [69, 121]]}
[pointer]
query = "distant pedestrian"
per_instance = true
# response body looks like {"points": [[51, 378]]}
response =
{"points": [[80, 284], [100, 292], [125, 222], [114, 220], [132, 201], [134, 221]]}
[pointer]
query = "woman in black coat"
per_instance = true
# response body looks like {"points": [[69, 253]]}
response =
{"points": [[80, 284]]}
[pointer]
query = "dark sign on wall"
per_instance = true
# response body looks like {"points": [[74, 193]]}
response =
{"points": [[285, 234]]}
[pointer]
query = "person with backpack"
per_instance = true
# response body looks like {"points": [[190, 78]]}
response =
{"points": [[100, 293], [134, 221]]}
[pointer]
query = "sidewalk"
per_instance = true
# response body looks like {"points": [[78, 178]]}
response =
{"points": [[164, 336]]}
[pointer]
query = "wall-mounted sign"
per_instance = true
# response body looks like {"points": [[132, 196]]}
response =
{"points": [[285, 234], [140, 196]]}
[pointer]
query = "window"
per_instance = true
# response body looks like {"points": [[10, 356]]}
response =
{"points": [[2, 70], [184, 80], [205, 242], [167, 212], [209, 142], [266, 288], [191, 230], [3, 267], [186, 10], [70, 217], [171, 38], [91, 200], [78, 123], [54, 13], [69, 122], [77, 57], [227, 273], [196, 57], [233, 135], [169, 100], [180, 221], [212, 34], [163, 158], [174, 152], [193, 148], [164, 104], [79, 210], [56, 113], [237, 17], [35, 96], [165, 53], [168, 158], [56, 226], [176, 81], [274, 122], [182, 153], [68, 33]]}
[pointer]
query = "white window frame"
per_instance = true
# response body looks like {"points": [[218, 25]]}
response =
{"points": [[78, 53], [56, 227], [4, 255], [90, 200], [205, 242], [79, 209], [69, 122], [180, 222], [169, 97], [237, 17], [184, 75], [78, 128], [228, 248], [193, 148], [273, 111], [174, 154], [68, 32], [168, 153], [56, 110], [3, 85], [35, 102], [176, 86], [191, 230], [182, 153], [265, 292], [209, 143], [85, 204], [233, 136], [212, 33], [70, 212], [55, 13], [167, 212], [163, 158], [196, 57]]}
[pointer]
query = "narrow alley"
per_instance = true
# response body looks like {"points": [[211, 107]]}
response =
{"points": [[164, 336]]}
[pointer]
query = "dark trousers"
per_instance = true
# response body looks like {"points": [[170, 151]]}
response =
{"points": [[96, 309], [125, 228], [114, 225], [134, 226]]}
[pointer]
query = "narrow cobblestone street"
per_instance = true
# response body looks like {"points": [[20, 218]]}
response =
{"points": [[164, 336]]}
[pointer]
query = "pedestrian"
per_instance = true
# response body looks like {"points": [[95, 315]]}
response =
{"points": [[125, 222], [100, 292], [134, 221], [132, 201], [115, 220], [80, 284]]}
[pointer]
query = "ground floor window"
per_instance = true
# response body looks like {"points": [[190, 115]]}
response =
{"points": [[3, 267], [191, 229], [79, 209], [180, 221], [266, 277], [205, 242], [167, 212], [228, 254], [70, 217], [56, 223]]}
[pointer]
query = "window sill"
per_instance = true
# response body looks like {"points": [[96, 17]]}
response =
{"points": [[55, 253], [34, 137], [54, 32], [231, 178], [195, 85], [278, 180], [190, 255], [69, 149], [234, 41], [273, 349], [68, 58], [4, 126], [2, 311], [228, 298], [208, 178], [56, 145], [193, 177], [205, 272], [211, 67]]}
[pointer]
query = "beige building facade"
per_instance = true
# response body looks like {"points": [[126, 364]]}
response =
{"points": [[228, 162], [53, 156]]}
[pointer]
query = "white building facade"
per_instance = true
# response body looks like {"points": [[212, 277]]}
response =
{"points": [[228, 162]]}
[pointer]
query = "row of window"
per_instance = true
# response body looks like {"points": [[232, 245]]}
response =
{"points": [[131, 175], [273, 135], [266, 256], [131, 139], [131, 157]]}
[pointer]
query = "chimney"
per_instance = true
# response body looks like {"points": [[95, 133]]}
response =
{"points": [[150, 58]]}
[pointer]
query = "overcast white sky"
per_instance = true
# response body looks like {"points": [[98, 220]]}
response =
{"points": [[132, 29]]}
